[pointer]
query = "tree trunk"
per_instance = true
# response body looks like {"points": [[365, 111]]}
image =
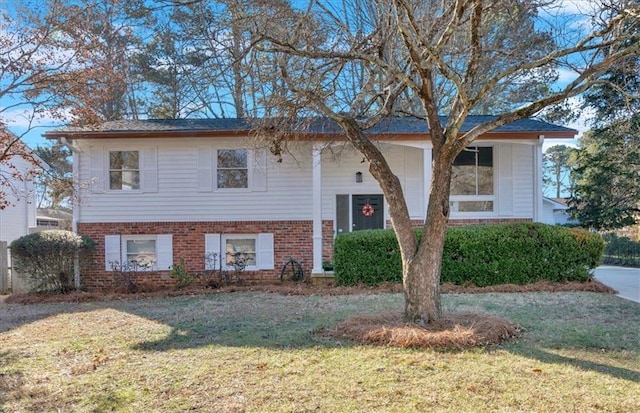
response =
{"points": [[421, 275]]}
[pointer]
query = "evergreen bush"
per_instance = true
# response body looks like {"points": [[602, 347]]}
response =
{"points": [[483, 255], [47, 258]]}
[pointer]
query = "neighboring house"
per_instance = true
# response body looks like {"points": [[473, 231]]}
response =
{"points": [[555, 212], [157, 191], [53, 218], [18, 218]]}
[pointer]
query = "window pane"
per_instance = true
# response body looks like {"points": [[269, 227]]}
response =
{"points": [[241, 249], [463, 180], [123, 160], [141, 252], [485, 156], [232, 158], [124, 180], [485, 171], [233, 178], [472, 172], [485, 180], [115, 180], [124, 171], [131, 180], [466, 157], [471, 206]]}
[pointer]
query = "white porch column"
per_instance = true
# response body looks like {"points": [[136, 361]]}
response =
{"points": [[427, 155], [537, 184], [317, 208]]}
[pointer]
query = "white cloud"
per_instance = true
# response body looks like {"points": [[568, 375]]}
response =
{"points": [[30, 130], [565, 76]]}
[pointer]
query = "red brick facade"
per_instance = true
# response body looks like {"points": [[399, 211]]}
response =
{"points": [[291, 239]]}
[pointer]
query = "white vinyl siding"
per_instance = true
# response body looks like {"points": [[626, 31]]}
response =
{"points": [[117, 251], [261, 256], [504, 170], [522, 164], [338, 177], [184, 191]]}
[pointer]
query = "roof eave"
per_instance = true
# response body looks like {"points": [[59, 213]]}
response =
{"points": [[568, 134]]}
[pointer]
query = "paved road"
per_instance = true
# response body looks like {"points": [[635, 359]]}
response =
{"points": [[625, 280]]}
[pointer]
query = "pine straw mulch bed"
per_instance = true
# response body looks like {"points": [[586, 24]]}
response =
{"points": [[453, 332], [302, 288]]}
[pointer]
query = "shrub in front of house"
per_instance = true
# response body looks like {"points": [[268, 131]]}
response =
{"points": [[47, 258], [482, 255]]}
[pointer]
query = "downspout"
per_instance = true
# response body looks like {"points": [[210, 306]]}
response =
{"points": [[537, 185], [76, 205]]}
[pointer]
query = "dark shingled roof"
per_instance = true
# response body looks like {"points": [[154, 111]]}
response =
{"points": [[394, 125]]}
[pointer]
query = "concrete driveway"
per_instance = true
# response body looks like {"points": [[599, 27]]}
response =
{"points": [[625, 280]]}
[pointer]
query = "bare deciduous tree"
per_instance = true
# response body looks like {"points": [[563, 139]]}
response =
{"points": [[427, 58]]}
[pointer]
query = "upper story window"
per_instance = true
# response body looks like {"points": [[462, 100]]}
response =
{"points": [[472, 181], [233, 169], [124, 170]]}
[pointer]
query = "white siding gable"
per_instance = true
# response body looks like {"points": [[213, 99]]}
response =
{"points": [[149, 169], [97, 173]]}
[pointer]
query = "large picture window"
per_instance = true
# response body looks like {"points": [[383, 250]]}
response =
{"points": [[472, 181], [233, 170], [124, 170]]}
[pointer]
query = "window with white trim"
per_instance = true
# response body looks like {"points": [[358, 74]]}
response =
{"points": [[472, 181], [139, 252], [232, 168], [124, 170], [252, 251], [240, 250]]}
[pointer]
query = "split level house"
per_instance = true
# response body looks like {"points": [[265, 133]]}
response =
{"points": [[158, 191]]}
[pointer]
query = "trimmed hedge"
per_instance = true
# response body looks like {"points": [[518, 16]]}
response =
{"points": [[483, 255]]}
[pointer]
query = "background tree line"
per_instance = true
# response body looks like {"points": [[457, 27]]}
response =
{"points": [[601, 177]]}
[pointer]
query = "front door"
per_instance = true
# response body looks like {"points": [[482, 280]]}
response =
{"points": [[367, 212]]}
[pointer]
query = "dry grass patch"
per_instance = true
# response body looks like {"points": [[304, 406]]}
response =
{"points": [[454, 332]]}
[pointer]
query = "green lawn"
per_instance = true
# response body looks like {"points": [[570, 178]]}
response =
{"points": [[256, 351]]}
